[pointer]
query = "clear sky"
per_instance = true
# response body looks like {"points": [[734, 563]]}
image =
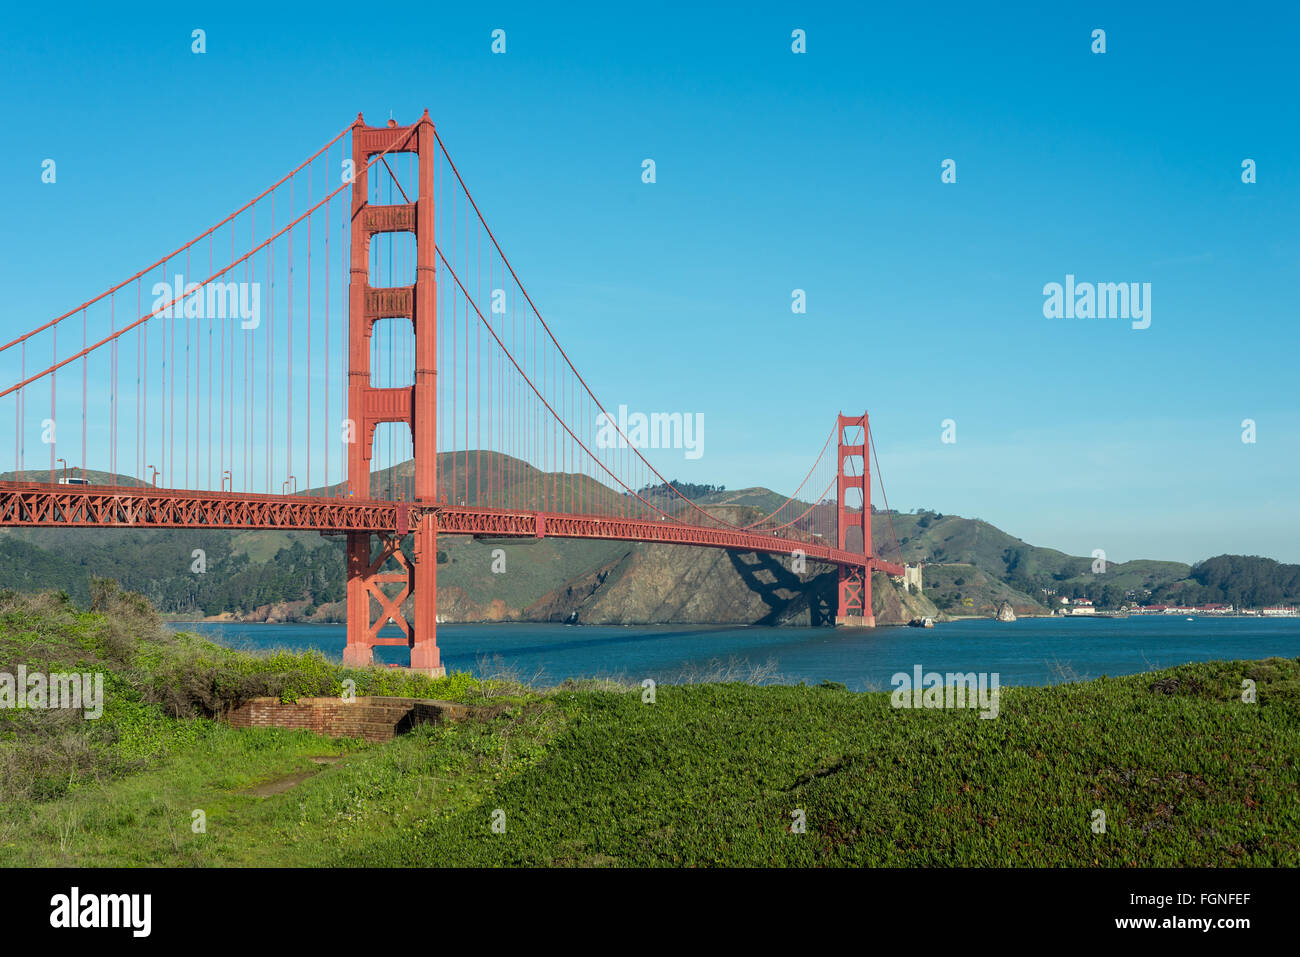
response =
{"points": [[775, 171]]}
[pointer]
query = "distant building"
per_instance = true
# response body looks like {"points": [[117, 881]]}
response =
{"points": [[1278, 612], [1183, 609], [912, 576], [1082, 606]]}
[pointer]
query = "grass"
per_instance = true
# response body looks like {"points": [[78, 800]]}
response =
{"points": [[709, 774], [157, 687]]}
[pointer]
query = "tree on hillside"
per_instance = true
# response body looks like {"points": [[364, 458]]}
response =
{"points": [[1242, 580]]}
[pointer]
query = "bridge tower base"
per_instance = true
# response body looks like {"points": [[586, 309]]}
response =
{"points": [[854, 591], [368, 571], [854, 609]]}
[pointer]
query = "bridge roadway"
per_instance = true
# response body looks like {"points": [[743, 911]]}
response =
{"points": [[43, 505]]}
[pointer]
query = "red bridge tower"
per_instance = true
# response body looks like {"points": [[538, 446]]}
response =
{"points": [[855, 583], [416, 406]]}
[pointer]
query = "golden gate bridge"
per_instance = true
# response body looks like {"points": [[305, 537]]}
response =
{"points": [[358, 326]]}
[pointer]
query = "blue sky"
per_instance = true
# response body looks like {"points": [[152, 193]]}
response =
{"points": [[778, 171]]}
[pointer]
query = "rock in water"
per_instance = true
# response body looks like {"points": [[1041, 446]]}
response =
{"points": [[1005, 612]]}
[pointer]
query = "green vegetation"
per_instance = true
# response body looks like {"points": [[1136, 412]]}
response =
{"points": [[1034, 576], [1185, 771], [1238, 580], [155, 682], [160, 564], [663, 496]]}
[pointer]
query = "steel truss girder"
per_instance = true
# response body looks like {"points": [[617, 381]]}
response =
{"points": [[36, 505], [32, 504]]}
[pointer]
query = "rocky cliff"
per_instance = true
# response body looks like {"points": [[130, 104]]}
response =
{"points": [[637, 584]]}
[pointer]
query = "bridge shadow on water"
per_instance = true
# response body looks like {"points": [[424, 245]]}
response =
{"points": [[636, 634]]}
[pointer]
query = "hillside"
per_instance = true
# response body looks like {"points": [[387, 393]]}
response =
{"points": [[1008, 567]]}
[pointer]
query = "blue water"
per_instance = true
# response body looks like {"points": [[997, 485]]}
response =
{"points": [[1030, 651]]}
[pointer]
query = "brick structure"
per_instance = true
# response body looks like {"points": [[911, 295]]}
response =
{"points": [[369, 718]]}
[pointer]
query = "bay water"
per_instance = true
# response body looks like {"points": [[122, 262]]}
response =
{"points": [[1029, 651]]}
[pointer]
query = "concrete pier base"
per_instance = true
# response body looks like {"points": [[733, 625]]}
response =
{"points": [[855, 621], [438, 672]]}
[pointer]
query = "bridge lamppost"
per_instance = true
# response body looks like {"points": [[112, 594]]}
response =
{"points": [[65, 469], [153, 480], [284, 486], [227, 477]]}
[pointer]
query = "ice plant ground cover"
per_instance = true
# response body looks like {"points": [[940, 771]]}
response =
{"points": [[1182, 768]]}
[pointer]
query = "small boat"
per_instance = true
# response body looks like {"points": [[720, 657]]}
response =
{"points": [[1191, 619]]}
